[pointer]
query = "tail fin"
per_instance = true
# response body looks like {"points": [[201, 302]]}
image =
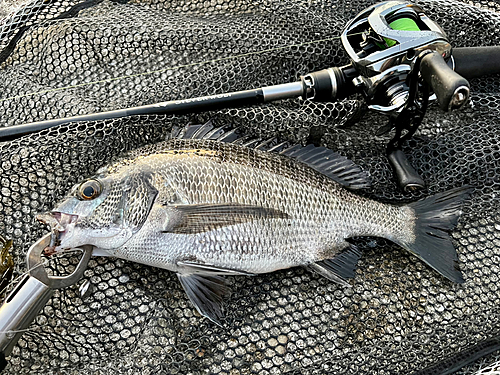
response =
{"points": [[435, 216]]}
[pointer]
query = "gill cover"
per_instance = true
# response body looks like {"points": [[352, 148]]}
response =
{"points": [[140, 196], [109, 209]]}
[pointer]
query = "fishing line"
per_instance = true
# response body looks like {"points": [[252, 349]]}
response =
{"points": [[15, 279], [107, 80], [12, 331], [43, 263]]}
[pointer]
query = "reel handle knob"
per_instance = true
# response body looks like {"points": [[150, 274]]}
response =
{"points": [[451, 89], [408, 179]]}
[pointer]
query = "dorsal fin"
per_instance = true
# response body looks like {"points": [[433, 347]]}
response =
{"points": [[192, 131], [321, 159], [331, 164]]}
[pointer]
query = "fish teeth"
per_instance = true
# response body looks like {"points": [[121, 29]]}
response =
{"points": [[59, 227]]}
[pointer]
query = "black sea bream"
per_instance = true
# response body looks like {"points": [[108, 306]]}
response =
{"points": [[204, 208]]}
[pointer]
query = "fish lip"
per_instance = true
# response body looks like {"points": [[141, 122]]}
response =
{"points": [[59, 223]]}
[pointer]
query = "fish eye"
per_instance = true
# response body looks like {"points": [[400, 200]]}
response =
{"points": [[90, 189]]}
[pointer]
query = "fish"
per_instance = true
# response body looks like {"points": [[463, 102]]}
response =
{"points": [[211, 201]]}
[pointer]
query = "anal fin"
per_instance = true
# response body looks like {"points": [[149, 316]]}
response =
{"points": [[340, 268]]}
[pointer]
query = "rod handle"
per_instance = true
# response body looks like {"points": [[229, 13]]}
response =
{"points": [[474, 62]]}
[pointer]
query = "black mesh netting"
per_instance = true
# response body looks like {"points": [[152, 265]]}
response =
{"points": [[399, 317]]}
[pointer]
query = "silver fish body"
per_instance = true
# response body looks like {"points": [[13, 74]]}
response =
{"points": [[204, 208], [320, 214]]}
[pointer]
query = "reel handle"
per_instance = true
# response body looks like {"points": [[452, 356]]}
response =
{"points": [[451, 89]]}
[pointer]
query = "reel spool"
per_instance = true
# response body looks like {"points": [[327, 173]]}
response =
{"points": [[391, 33], [383, 43]]}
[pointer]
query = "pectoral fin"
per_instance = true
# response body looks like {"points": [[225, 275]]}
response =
{"points": [[206, 294], [197, 218]]}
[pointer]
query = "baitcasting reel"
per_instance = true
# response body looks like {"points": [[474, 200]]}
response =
{"points": [[400, 60], [399, 57], [388, 41]]}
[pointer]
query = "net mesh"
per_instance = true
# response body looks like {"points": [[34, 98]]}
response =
{"points": [[399, 316]]}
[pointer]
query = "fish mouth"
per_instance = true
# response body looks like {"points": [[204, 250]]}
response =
{"points": [[60, 224]]}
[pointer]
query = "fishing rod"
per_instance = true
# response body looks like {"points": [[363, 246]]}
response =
{"points": [[400, 60]]}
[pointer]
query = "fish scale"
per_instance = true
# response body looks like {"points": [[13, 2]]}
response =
{"points": [[204, 208]]}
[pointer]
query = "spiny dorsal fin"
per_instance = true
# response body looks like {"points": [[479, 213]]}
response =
{"points": [[321, 159]]}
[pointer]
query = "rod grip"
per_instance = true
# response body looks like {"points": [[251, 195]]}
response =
{"points": [[451, 89], [474, 62]]}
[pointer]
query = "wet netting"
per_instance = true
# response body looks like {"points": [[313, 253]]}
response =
{"points": [[62, 58]]}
